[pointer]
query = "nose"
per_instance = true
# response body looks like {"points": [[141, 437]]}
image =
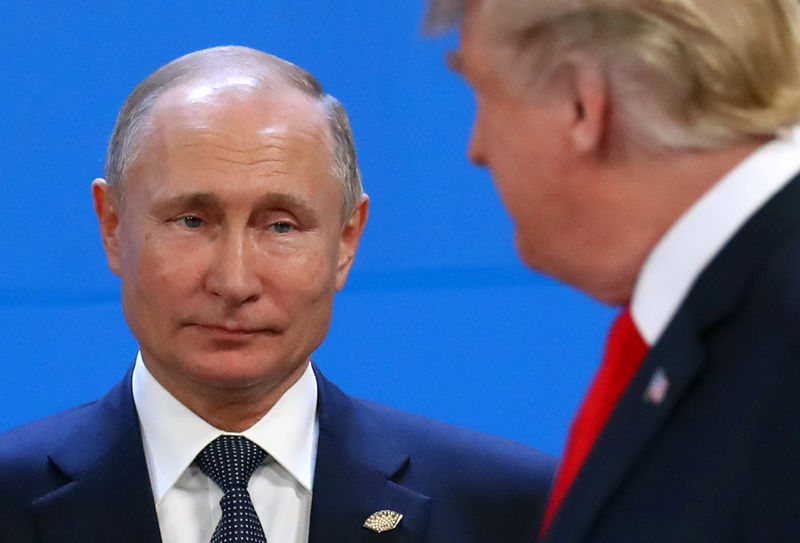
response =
{"points": [[233, 272], [475, 147]]}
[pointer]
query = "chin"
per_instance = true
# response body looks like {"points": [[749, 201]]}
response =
{"points": [[232, 380], [608, 286], [232, 370], [608, 293], [539, 262]]}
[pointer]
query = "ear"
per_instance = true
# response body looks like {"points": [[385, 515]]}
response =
{"points": [[107, 209], [590, 114], [351, 235]]}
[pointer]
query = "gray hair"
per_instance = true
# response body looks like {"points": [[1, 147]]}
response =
{"points": [[682, 74], [134, 120]]}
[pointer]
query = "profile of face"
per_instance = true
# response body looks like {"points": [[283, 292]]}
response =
{"points": [[543, 150], [229, 239]]}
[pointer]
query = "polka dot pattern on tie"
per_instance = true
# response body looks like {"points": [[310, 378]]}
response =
{"points": [[229, 461]]}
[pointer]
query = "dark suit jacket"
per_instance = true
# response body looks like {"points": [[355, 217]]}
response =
{"points": [[81, 476], [718, 460]]}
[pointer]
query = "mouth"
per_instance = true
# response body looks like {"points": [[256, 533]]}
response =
{"points": [[233, 332]]}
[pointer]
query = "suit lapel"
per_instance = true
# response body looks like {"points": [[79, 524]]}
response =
{"points": [[356, 464], [679, 355], [108, 496], [630, 430]]}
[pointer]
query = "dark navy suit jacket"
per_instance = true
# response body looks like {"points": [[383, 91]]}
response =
{"points": [[718, 461], [81, 476]]}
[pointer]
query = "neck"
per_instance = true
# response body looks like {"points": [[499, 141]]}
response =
{"points": [[661, 188]]}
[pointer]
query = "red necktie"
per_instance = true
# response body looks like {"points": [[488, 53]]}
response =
{"points": [[625, 350]]}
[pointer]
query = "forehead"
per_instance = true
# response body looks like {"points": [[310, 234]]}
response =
{"points": [[235, 140], [237, 124], [479, 57], [496, 57], [241, 113]]}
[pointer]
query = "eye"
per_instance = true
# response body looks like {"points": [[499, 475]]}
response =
{"points": [[281, 227], [190, 221]]}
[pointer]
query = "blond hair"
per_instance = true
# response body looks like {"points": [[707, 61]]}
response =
{"points": [[681, 73]]}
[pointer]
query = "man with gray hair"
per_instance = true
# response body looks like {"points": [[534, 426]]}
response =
{"points": [[232, 211], [648, 153]]}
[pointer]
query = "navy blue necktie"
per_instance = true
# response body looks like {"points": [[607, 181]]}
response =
{"points": [[229, 461]]}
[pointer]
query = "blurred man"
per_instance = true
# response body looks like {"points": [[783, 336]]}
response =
{"points": [[232, 211], [647, 153]]}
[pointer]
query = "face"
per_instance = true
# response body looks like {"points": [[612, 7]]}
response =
{"points": [[229, 240], [568, 216]]}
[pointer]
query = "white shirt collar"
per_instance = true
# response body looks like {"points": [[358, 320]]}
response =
{"points": [[700, 233], [173, 435]]}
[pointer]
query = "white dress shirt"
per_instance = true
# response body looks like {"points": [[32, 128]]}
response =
{"points": [[703, 230], [187, 501]]}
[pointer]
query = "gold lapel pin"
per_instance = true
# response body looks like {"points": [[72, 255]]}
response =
{"points": [[383, 521]]}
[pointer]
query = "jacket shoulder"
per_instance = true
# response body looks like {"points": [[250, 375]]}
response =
{"points": [[38, 437], [440, 451], [454, 445], [25, 468]]}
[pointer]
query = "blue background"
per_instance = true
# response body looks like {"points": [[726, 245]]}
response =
{"points": [[439, 316]]}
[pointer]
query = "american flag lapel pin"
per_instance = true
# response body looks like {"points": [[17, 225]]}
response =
{"points": [[657, 388]]}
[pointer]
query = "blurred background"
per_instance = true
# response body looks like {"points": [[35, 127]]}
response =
{"points": [[439, 316]]}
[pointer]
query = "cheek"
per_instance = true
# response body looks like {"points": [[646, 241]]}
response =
{"points": [[512, 150], [518, 179], [130, 244], [312, 273], [305, 279], [166, 274], [533, 180]]}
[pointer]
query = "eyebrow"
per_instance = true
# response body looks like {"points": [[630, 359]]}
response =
{"points": [[282, 200], [189, 200], [455, 61], [269, 200]]}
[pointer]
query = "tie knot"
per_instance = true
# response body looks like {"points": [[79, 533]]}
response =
{"points": [[229, 461]]}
